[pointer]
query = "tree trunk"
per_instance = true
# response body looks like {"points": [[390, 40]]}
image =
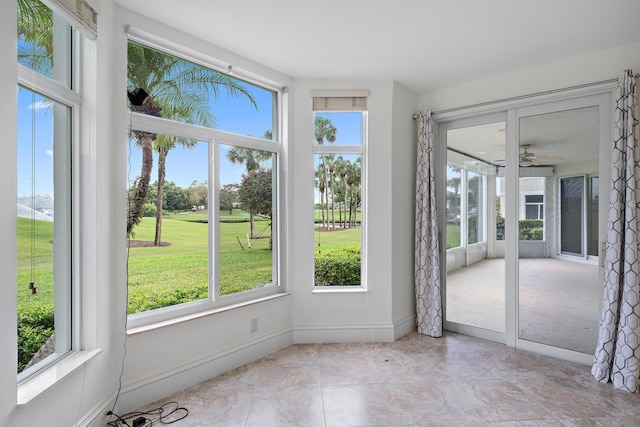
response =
{"points": [[141, 184], [162, 157], [322, 208], [326, 189], [333, 203], [136, 201], [253, 226]]}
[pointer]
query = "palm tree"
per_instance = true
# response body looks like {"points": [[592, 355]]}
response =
{"points": [[35, 29], [354, 183], [173, 85], [251, 159], [320, 182], [325, 130], [342, 170], [163, 144]]}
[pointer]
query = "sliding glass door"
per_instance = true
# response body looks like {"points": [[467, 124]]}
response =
{"points": [[524, 222], [474, 219]]}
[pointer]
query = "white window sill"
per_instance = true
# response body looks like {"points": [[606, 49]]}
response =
{"points": [[203, 313], [32, 387], [338, 289]]}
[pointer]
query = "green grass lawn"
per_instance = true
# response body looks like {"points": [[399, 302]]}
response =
{"points": [[158, 276], [453, 236], [168, 275]]}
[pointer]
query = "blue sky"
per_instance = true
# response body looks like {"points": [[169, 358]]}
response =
{"points": [[183, 165], [233, 115], [34, 109], [238, 116]]}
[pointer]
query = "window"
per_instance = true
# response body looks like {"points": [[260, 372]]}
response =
{"points": [[579, 197], [454, 176], [340, 170], [203, 187], [534, 206], [48, 103], [475, 206]]}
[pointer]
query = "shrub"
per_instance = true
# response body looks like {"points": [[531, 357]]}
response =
{"points": [[35, 326], [531, 229], [338, 267], [149, 210], [145, 299]]}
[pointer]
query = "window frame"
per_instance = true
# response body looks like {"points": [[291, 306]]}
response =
{"points": [[215, 302], [353, 149], [538, 205], [68, 295]]}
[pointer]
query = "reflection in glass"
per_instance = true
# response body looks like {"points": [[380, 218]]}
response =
{"points": [[475, 209], [475, 281], [558, 292], [592, 215], [571, 197], [454, 175]]}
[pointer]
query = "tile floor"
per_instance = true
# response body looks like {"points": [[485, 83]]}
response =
{"points": [[455, 380]]}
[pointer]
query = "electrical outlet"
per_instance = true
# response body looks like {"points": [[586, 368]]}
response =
{"points": [[254, 325]]}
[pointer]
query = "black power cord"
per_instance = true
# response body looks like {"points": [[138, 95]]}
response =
{"points": [[168, 413]]}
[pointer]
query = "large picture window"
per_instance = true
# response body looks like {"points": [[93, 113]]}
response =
{"points": [[203, 186], [339, 211]]}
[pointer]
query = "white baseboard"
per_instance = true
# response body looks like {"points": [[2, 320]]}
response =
{"points": [[136, 395], [343, 333], [141, 393], [404, 326]]}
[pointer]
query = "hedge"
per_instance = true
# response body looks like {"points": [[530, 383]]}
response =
{"points": [[338, 267], [35, 326]]}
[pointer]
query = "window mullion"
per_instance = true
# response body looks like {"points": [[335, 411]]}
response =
{"points": [[47, 87]]}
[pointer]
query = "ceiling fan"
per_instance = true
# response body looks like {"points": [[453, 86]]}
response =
{"points": [[528, 158]]}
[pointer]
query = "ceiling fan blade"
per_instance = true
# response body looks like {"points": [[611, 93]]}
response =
{"points": [[549, 158]]}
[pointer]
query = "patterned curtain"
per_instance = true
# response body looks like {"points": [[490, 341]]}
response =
{"points": [[427, 262], [617, 357]]}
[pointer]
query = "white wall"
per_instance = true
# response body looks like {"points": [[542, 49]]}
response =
{"points": [[571, 72], [8, 271], [330, 315], [161, 361], [403, 176], [84, 394]]}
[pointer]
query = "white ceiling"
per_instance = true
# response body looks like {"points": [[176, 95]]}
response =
{"points": [[423, 44]]}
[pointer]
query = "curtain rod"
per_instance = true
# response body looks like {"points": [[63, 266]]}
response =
{"points": [[517, 98]]}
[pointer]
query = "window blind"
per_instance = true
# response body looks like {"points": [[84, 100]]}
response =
{"points": [[81, 15], [337, 100], [352, 103]]}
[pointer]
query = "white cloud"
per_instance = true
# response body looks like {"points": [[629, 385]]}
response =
{"points": [[48, 153]]}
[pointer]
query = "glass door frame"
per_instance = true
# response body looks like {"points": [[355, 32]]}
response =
{"points": [[441, 172], [597, 95]]}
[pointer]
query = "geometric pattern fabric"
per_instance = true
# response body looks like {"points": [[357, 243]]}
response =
{"points": [[427, 250], [617, 356]]}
